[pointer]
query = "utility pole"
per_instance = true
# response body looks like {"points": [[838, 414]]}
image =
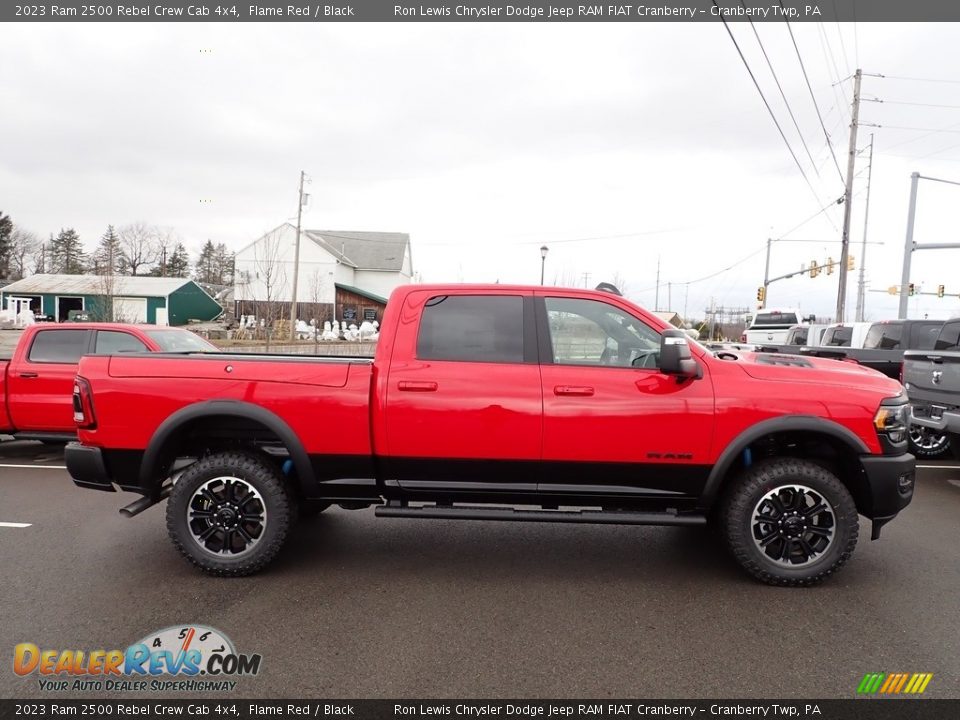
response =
{"points": [[656, 300], [862, 283], [766, 275], [296, 264], [669, 296], [848, 197]]}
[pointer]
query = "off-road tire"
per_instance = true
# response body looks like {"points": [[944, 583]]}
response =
{"points": [[947, 449], [757, 482], [258, 473]]}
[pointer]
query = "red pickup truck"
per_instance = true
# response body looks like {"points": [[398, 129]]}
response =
{"points": [[503, 403], [36, 384]]}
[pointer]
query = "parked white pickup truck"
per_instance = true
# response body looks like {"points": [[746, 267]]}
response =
{"points": [[770, 327]]}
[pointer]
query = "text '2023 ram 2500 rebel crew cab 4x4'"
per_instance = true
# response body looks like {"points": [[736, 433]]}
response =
{"points": [[483, 401]]}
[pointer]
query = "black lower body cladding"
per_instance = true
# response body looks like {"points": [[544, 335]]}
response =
{"points": [[891, 480]]}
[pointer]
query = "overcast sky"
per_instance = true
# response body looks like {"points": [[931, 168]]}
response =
{"points": [[485, 141]]}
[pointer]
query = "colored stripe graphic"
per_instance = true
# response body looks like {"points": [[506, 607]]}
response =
{"points": [[894, 683]]}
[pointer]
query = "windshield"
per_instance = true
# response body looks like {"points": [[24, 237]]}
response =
{"points": [[174, 340]]}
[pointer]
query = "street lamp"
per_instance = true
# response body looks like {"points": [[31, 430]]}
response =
{"points": [[543, 260]]}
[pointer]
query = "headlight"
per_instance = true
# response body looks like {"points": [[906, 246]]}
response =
{"points": [[891, 421]]}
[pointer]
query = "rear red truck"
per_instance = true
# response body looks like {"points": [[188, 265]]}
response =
{"points": [[503, 403], [36, 384]]}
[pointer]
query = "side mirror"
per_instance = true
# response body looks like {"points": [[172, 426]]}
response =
{"points": [[675, 358]]}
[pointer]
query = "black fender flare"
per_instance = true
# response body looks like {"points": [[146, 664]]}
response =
{"points": [[153, 456], [788, 423]]}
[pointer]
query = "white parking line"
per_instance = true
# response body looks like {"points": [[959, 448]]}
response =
{"points": [[15, 525], [39, 467]]}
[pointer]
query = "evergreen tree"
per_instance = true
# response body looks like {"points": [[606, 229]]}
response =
{"points": [[178, 264], [6, 244], [107, 258], [206, 267], [223, 263], [66, 254]]}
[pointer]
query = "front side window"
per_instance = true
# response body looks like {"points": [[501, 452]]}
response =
{"points": [[472, 328], [110, 342], [59, 346], [590, 332]]}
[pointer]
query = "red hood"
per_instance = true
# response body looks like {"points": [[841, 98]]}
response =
{"points": [[802, 368]]}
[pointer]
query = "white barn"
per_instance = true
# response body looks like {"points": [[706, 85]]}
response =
{"points": [[342, 267]]}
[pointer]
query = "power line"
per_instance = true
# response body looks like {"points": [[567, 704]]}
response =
{"points": [[782, 93], [767, 104], [915, 104], [812, 217], [713, 274], [920, 79], [812, 96], [843, 46], [831, 62], [930, 131], [951, 126], [856, 39]]}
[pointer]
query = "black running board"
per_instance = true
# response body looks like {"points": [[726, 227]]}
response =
{"points": [[602, 517]]}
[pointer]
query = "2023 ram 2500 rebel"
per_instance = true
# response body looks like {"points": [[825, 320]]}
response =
{"points": [[503, 403]]}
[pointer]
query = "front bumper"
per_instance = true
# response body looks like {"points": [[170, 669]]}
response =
{"points": [[890, 483], [948, 422], [86, 467]]}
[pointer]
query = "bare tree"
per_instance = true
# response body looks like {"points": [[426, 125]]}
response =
{"points": [[272, 275], [140, 248], [24, 248], [620, 283]]}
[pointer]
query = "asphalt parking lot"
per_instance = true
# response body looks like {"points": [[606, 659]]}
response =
{"points": [[364, 607]]}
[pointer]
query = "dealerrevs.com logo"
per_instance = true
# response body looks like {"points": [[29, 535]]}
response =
{"points": [[191, 658]]}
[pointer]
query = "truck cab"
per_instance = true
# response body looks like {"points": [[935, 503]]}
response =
{"points": [[37, 382]]}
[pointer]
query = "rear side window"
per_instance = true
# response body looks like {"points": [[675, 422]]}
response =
{"points": [[883, 337], [111, 341], [838, 336], [472, 328], [59, 346], [925, 336], [949, 337], [797, 336]]}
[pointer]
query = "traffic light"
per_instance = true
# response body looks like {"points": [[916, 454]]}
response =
{"points": [[913, 289], [940, 290], [762, 293], [829, 266], [850, 262], [814, 268]]}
